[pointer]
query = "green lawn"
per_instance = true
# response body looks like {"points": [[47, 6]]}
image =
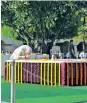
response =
{"points": [[34, 93]]}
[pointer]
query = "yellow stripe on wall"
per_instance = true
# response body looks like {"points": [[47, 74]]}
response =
{"points": [[7, 73], [21, 71], [55, 75], [41, 74], [15, 71], [48, 75], [18, 72], [51, 74], [44, 72]]}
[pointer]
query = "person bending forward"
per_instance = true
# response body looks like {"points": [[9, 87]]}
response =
{"points": [[22, 52]]}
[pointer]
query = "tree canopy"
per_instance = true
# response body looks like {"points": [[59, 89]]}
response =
{"points": [[45, 19]]}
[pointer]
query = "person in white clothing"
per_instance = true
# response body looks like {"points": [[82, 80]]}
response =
{"points": [[22, 52], [82, 54]]}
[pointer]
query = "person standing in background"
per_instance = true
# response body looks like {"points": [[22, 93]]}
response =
{"points": [[71, 49], [49, 48], [44, 48], [82, 54]]}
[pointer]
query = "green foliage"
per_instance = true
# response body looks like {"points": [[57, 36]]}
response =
{"points": [[44, 19], [82, 32], [8, 32], [79, 37]]}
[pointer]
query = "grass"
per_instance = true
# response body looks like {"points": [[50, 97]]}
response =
{"points": [[35, 93]]}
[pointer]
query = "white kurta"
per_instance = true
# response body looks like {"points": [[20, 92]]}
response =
{"points": [[20, 51]]}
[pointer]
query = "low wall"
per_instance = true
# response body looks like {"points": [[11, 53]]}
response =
{"points": [[48, 72], [3, 60], [6, 57]]}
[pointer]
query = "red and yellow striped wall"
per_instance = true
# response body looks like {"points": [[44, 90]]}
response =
{"points": [[48, 72]]}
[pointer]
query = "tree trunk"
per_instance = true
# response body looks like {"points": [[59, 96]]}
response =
{"points": [[84, 34], [26, 39], [27, 42]]}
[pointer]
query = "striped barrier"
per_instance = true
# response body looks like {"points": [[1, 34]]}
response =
{"points": [[48, 72], [76, 74], [3, 60]]}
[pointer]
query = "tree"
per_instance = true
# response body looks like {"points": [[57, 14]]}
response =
{"points": [[43, 19]]}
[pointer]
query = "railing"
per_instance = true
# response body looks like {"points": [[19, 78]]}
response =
{"points": [[48, 72], [34, 72]]}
